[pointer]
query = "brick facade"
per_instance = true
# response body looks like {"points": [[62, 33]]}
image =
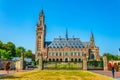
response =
{"points": [[63, 51]]}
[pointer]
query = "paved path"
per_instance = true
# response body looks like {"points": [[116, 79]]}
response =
{"points": [[4, 73], [107, 73]]}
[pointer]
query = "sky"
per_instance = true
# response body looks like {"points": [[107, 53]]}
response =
{"points": [[18, 19]]}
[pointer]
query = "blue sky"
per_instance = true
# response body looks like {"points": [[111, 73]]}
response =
{"points": [[18, 19]]}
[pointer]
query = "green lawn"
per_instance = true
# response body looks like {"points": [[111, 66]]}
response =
{"points": [[56, 75]]}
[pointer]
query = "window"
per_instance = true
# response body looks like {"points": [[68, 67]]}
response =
{"points": [[79, 60], [82, 53], [60, 54], [56, 54], [91, 56], [49, 59], [78, 53], [53, 60], [49, 54], [66, 59], [71, 54], [66, 54], [53, 54], [57, 60], [61, 60], [75, 59], [72, 59], [75, 54]]}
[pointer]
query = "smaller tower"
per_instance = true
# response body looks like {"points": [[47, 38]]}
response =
{"points": [[92, 43]]}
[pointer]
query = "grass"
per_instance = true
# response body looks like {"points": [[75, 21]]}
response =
{"points": [[56, 75]]}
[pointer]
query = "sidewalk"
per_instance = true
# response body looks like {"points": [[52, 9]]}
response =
{"points": [[4, 73], [107, 73]]}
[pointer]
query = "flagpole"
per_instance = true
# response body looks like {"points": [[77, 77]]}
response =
{"points": [[119, 53]]}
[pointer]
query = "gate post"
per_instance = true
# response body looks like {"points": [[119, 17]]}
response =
{"points": [[105, 63], [22, 64], [40, 67], [84, 63]]}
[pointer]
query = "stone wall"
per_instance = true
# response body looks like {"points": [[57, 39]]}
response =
{"points": [[12, 64]]}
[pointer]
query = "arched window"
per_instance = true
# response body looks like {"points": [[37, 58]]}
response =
{"points": [[50, 60], [66, 59], [72, 59], [75, 59], [57, 60], [79, 59], [53, 60], [91, 56], [61, 60]]}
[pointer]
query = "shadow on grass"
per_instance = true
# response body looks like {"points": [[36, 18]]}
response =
{"points": [[9, 77]]}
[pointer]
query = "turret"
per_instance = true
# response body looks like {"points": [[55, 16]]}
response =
{"points": [[92, 43]]}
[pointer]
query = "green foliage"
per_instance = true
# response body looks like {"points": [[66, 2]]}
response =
{"points": [[7, 51], [19, 50], [5, 55], [111, 56], [11, 48], [1, 45], [28, 54]]}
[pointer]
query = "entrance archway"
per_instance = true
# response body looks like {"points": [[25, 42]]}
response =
{"points": [[66, 59]]}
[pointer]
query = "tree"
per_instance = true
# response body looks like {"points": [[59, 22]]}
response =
{"points": [[28, 54], [5, 55], [19, 50], [11, 48], [1, 45], [111, 56]]}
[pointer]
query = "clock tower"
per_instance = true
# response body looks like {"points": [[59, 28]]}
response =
{"points": [[40, 34]]}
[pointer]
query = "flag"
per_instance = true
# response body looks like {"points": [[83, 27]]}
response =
{"points": [[119, 52]]}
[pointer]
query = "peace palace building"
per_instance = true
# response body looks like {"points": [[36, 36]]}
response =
{"points": [[63, 49]]}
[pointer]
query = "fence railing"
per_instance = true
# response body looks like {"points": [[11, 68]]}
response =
{"points": [[95, 65], [63, 65]]}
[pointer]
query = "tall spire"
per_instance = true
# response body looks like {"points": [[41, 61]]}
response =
{"points": [[91, 36], [66, 34], [41, 13], [92, 44], [41, 18]]}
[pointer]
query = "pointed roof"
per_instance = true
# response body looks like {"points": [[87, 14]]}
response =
{"points": [[42, 13], [91, 36]]}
